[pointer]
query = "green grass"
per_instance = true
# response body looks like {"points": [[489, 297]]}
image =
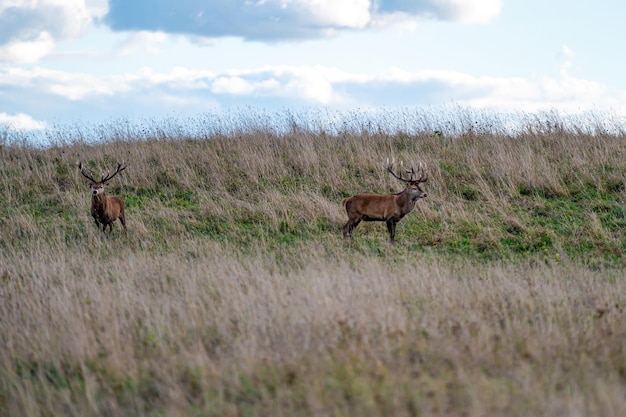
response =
{"points": [[234, 294]]}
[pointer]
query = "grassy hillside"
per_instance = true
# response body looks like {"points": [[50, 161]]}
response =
{"points": [[234, 294]]}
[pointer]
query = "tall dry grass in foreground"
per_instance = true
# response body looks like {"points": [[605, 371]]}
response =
{"points": [[217, 335], [234, 294]]}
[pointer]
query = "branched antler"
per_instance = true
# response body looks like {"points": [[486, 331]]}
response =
{"points": [[423, 176], [104, 179], [119, 169], [82, 171]]}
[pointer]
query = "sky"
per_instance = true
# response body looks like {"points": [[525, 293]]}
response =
{"points": [[88, 61]]}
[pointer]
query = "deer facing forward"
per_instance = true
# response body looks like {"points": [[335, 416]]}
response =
{"points": [[389, 208], [105, 209]]}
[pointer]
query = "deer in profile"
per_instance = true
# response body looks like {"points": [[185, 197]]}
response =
{"points": [[389, 208], [105, 209]]}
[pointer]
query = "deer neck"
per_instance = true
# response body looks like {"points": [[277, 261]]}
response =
{"points": [[99, 200], [405, 200]]}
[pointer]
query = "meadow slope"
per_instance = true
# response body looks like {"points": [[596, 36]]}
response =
{"points": [[234, 294]]}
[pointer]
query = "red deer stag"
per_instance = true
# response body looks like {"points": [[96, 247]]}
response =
{"points": [[105, 209], [389, 208]]}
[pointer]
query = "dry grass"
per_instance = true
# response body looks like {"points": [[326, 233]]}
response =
{"points": [[234, 294], [201, 332]]}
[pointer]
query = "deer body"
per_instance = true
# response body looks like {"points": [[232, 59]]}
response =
{"points": [[389, 208], [105, 209]]}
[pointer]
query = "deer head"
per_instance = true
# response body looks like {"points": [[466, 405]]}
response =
{"points": [[412, 184], [97, 187]]}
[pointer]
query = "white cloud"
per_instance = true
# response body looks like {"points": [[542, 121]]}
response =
{"points": [[568, 94], [402, 22], [568, 52], [27, 51], [271, 20], [179, 78], [30, 29], [353, 14], [465, 11], [313, 85], [239, 86], [480, 11], [70, 86], [21, 121], [302, 85], [142, 41]]}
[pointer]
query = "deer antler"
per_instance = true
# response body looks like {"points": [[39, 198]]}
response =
{"points": [[82, 171], [423, 176], [117, 171], [390, 170]]}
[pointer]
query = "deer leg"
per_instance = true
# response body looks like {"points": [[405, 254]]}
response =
{"points": [[349, 227], [347, 230], [100, 227], [391, 227], [123, 221]]}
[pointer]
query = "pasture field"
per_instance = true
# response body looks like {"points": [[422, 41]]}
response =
{"points": [[234, 294]]}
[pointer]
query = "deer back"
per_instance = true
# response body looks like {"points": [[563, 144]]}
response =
{"points": [[373, 206]]}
